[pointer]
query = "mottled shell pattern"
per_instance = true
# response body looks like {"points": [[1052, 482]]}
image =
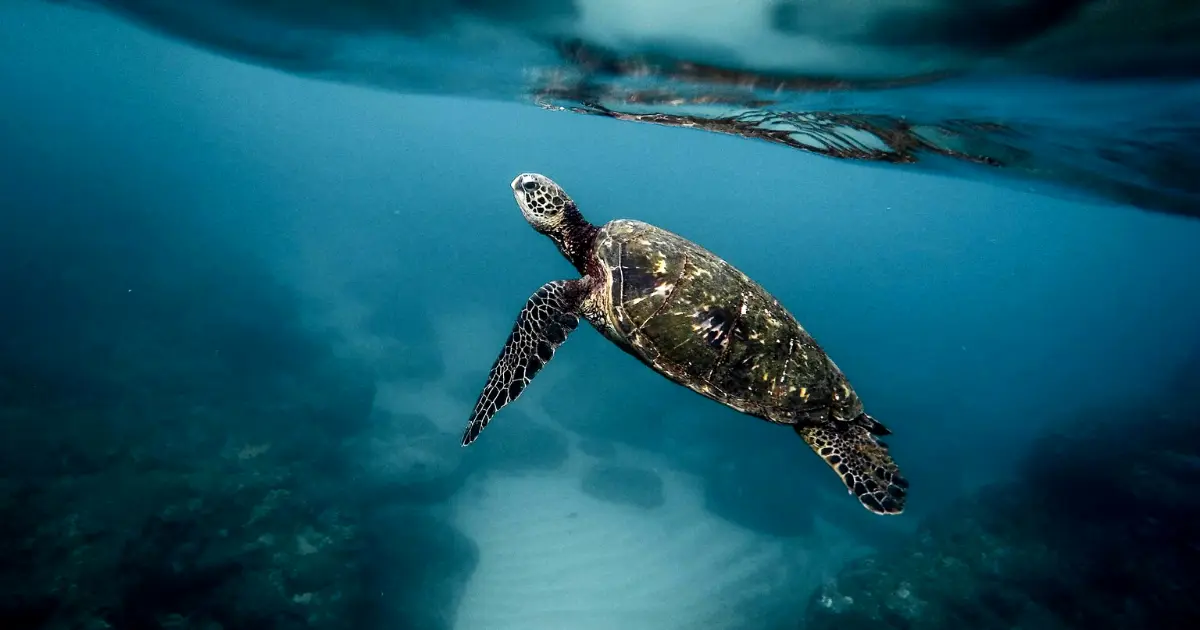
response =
{"points": [[704, 324]]}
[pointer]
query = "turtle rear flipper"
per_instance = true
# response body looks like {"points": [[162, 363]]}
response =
{"points": [[862, 461], [549, 315]]}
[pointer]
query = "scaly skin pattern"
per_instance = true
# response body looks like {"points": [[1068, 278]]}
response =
{"points": [[705, 325]]}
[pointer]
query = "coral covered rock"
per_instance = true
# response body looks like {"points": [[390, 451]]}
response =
{"points": [[1098, 532]]}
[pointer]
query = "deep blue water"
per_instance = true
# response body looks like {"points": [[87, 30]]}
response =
{"points": [[246, 315]]}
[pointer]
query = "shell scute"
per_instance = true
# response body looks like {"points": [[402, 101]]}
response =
{"points": [[706, 325]]}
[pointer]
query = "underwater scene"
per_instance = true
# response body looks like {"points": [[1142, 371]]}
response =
{"points": [[383, 314]]}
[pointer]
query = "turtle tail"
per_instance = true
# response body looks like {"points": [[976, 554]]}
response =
{"points": [[862, 461]]}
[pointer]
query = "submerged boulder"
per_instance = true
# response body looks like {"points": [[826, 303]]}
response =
{"points": [[520, 446], [624, 485], [751, 493], [1097, 532], [405, 458], [417, 567], [598, 448]]}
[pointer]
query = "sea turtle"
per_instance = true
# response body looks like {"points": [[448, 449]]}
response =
{"points": [[698, 321]]}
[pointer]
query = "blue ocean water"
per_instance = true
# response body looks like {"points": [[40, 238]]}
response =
{"points": [[246, 315]]}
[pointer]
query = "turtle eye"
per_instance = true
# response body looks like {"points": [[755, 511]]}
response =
{"points": [[529, 185]]}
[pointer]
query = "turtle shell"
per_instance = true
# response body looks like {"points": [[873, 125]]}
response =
{"points": [[704, 324]]}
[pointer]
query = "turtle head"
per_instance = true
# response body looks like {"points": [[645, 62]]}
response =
{"points": [[550, 211], [544, 203]]}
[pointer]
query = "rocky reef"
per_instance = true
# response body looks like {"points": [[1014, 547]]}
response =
{"points": [[193, 455], [161, 511], [1097, 531]]}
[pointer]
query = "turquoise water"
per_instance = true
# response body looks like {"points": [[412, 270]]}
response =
{"points": [[247, 314]]}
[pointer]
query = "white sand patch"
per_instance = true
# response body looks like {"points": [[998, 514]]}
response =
{"points": [[553, 557]]}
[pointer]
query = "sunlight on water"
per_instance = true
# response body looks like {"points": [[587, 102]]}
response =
{"points": [[885, 82]]}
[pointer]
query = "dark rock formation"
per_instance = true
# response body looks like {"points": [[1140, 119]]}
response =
{"points": [[518, 446], [404, 458], [624, 485], [1098, 532], [417, 566]]}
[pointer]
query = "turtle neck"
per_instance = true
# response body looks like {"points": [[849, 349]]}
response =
{"points": [[575, 238]]}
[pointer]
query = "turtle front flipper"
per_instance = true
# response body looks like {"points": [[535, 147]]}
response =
{"points": [[861, 460], [549, 315]]}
